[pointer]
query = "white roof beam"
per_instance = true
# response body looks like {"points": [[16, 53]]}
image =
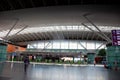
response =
{"points": [[19, 31], [101, 45], [29, 36], [42, 36], [93, 36], [11, 28], [61, 32], [95, 32], [35, 37], [87, 35], [37, 34], [83, 46], [85, 16]]}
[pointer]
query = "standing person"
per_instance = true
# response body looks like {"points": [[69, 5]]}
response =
{"points": [[26, 63], [94, 62]]}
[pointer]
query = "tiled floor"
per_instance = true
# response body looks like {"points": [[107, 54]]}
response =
{"points": [[15, 71]]}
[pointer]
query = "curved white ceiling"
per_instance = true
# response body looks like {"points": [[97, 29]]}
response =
{"points": [[65, 15], [56, 28], [104, 16]]}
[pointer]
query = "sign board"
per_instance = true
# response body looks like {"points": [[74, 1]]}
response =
{"points": [[116, 37]]}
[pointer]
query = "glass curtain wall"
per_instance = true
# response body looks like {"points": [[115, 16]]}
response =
{"points": [[65, 44]]}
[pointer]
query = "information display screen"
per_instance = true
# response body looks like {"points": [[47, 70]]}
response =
{"points": [[115, 37]]}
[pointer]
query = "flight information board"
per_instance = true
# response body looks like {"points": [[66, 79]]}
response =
{"points": [[116, 37]]}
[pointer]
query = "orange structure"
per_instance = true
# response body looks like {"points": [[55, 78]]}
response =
{"points": [[12, 48]]}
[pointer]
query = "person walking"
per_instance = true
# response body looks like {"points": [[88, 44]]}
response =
{"points": [[26, 63]]}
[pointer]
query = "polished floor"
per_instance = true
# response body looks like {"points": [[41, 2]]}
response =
{"points": [[15, 71]]}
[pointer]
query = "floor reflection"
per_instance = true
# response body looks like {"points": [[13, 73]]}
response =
{"points": [[55, 72], [1, 67]]}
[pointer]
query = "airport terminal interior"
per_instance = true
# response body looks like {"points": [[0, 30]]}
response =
{"points": [[59, 40]]}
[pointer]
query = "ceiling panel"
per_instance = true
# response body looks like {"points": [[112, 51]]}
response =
{"points": [[6, 5]]}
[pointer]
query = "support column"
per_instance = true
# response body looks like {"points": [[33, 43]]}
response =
{"points": [[73, 59]]}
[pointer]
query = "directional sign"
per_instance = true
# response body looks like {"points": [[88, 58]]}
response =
{"points": [[116, 37]]}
